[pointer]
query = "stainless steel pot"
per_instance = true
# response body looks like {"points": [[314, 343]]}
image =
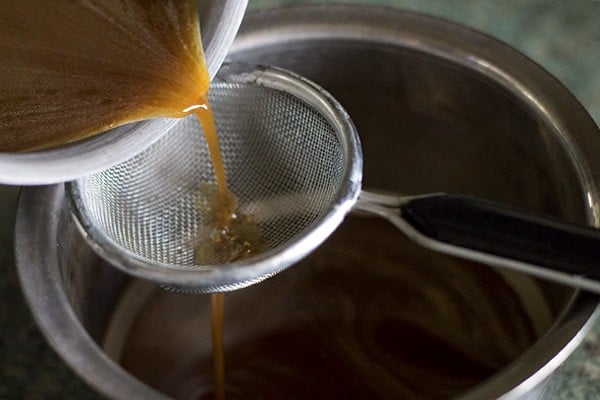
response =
{"points": [[439, 108]]}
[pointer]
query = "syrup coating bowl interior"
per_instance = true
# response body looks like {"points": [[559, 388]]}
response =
{"points": [[219, 22]]}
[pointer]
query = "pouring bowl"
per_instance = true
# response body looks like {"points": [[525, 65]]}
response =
{"points": [[219, 21]]}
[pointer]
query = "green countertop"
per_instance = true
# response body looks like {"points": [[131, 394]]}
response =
{"points": [[563, 36]]}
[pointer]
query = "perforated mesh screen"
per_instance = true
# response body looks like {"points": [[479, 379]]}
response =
{"points": [[283, 161]]}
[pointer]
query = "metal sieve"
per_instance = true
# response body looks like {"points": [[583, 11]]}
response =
{"points": [[292, 158], [294, 161]]}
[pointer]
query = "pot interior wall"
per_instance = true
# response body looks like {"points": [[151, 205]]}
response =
{"points": [[369, 315], [428, 124]]}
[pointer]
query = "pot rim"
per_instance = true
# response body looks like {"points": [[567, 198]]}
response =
{"points": [[529, 82]]}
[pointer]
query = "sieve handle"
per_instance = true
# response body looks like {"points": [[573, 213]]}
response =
{"points": [[493, 233]]}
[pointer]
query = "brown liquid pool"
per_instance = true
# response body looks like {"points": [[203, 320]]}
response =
{"points": [[368, 315]]}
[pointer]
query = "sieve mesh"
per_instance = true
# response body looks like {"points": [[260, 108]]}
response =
{"points": [[284, 161]]}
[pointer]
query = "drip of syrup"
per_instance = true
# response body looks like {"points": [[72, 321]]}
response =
{"points": [[217, 316]]}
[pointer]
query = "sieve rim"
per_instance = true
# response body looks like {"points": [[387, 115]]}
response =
{"points": [[239, 274]]}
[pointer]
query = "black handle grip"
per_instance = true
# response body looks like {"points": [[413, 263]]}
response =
{"points": [[494, 229]]}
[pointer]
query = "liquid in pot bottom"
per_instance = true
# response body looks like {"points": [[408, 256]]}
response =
{"points": [[368, 315]]}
